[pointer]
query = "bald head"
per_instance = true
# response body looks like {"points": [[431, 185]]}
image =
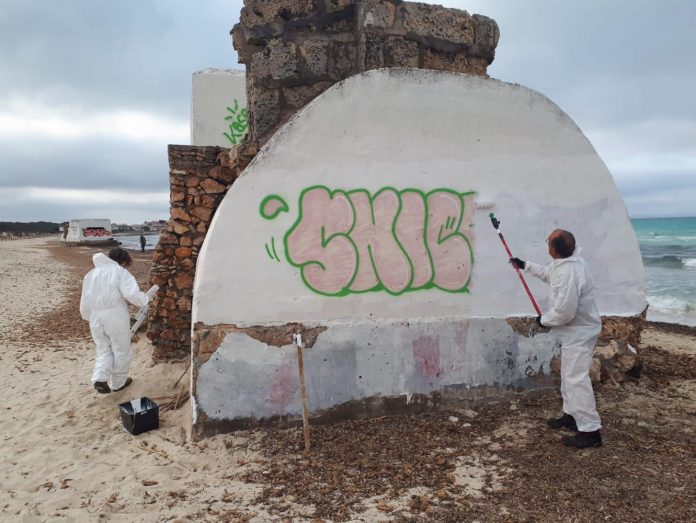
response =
{"points": [[562, 242]]}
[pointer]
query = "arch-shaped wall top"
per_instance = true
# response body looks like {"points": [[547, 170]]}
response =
{"points": [[373, 202]]}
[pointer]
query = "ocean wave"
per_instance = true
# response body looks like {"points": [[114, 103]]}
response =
{"points": [[671, 304], [658, 238], [669, 261]]}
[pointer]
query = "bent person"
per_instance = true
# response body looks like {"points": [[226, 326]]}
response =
{"points": [[574, 317], [105, 290]]}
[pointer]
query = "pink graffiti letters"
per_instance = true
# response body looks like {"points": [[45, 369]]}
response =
{"points": [[347, 242]]}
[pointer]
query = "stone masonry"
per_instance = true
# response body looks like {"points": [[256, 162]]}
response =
{"points": [[293, 51], [296, 49], [199, 178]]}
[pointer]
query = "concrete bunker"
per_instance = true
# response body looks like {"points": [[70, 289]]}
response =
{"points": [[365, 219]]}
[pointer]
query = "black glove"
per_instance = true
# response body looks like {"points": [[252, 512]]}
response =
{"points": [[517, 263], [538, 320]]}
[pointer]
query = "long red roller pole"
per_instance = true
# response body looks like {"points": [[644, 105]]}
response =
{"points": [[496, 225]]}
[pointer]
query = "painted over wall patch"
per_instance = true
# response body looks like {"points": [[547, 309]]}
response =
{"points": [[353, 241]]}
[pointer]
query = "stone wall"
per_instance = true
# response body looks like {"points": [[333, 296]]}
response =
{"points": [[296, 49], [293, 51], [199, 178]]}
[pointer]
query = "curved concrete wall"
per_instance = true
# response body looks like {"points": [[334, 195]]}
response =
{"points": [[367, 215]]}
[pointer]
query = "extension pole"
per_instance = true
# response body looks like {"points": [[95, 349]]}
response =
{"points": [[496, 225], [297, 338]]}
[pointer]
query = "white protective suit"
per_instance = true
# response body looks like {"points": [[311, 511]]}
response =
{"points": [[104, 293], [575, 318]]}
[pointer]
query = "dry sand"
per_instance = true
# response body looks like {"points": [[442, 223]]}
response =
{"points": [[64, 455]]}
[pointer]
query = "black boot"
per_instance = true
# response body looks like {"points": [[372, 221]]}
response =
{"points": [[102, 387], [564, 422], [584, 440]]}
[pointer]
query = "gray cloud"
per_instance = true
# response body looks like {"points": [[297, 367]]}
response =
{"points": [[85, 164], [101, 55], [622, 70]]}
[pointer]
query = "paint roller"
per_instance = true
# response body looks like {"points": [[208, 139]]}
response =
{"points": [[496, 226], [142, 313]]}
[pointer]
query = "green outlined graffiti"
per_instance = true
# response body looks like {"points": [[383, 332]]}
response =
{"points": [[272, 205], [397, 241], [237, 123]]}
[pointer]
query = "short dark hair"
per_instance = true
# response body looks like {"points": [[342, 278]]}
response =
{"points": [[564, 243], [120, 256]]}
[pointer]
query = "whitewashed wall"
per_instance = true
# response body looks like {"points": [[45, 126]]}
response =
{"points": [[89, 231], [218, 107], [416, 132]]}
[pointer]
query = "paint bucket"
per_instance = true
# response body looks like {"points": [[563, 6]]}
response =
{"points": [[139, 415]]}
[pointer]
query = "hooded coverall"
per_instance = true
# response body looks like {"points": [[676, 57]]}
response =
{"points": [[105, 290], [575, 318]]}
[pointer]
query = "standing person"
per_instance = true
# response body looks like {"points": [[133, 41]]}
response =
{"points": [[574, 317], [105, 290], [143, 241]]}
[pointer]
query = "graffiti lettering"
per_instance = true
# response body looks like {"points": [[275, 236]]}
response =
{"points": [[347, 242], [237, 123], [95, 232]]}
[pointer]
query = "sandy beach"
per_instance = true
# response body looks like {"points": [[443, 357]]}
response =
{"points": [[66, 457]]}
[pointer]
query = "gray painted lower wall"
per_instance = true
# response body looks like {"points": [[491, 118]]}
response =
{"points": [[247, 380]]}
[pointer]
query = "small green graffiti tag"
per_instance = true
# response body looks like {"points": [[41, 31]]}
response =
{"points": [[237, 120], [349, 242]]}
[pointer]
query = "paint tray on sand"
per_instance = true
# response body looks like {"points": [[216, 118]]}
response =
{"points": [[139, 415]]}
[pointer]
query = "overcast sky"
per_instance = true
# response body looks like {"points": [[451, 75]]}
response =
{"points": [[92, 91]]}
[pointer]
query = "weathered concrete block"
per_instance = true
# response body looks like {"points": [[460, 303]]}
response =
{"points": [[401, 52], [278, 62], [298, 97], [458, 63], [376, 14], [618, 360], [262, 12], [315, 54], [338, 5], [265, 109], [436, 22], [487, 35], [373, 51], [343, 61]]}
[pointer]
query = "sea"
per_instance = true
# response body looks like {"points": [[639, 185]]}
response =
{"points": [[668, 248], [132, 241]]}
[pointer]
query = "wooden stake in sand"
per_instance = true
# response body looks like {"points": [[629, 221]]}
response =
{"points": [[182, 375], [297, 338]]}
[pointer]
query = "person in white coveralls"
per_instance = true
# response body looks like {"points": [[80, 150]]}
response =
{"points": [[574, 317], [105, 290]]}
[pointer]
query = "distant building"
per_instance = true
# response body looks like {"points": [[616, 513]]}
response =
{"points": [[88, 231], [121, 227], [154, 226]]}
